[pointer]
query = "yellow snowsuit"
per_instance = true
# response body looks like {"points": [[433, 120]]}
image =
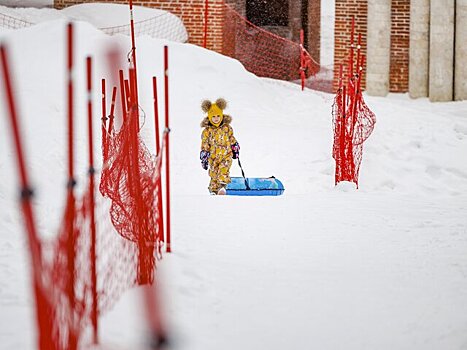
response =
{"points": [[217, 140]]}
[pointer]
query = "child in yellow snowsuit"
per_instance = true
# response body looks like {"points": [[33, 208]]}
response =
{"points": [[218, 145]]}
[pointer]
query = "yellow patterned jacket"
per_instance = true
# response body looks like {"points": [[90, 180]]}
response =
{"points": [[218, 140]]}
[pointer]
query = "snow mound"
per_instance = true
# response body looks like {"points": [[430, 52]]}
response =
{"points": [[110, 18]]}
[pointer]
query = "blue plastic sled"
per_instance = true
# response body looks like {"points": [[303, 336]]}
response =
{"points": [[269, 186]]}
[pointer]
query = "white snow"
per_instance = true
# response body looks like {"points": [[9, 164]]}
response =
{"points": [[321, 267], [111, 18]]}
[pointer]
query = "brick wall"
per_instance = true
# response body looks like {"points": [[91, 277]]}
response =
{"points": [[191, 13], [400, 39], [345, 10]]}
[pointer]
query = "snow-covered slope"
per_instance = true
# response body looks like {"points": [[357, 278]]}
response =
{"points": [[321, 267]]}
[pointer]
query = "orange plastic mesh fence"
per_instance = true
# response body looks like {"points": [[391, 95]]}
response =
{"points": [[268, 55], [132, 189], [349, 134], [123, 258], [75, 277], [122, 261], [353, 121], [162, 26], [69, 293]]}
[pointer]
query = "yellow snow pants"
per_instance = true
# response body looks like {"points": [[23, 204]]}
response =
{"points": [[219, 171]]}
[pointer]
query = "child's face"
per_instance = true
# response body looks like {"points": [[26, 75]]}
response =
{"points": [[216, 119]]}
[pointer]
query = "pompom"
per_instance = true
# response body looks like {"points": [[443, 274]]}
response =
{"points": [[221, 103], [205, 105]]}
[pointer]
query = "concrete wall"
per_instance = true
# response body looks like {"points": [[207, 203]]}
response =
{"points": [[378, 47], [441, 50], [460, 77], [419, 48]]}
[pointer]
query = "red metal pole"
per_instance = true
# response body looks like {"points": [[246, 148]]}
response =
{"points": [[159, 181], [340, 76], [133, 49], [43, 311], [302, 58], [112, 110], [352, 32], [129, 97], [167, 148], [206, 17], [342, 136], [152, 308], [104, 120], [94, 311], [132, 98], [70, 214], [70, 101], [122, 95]]}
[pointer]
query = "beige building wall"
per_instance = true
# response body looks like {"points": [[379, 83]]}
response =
{"points": [[441, 50], [378, 47], [460, 73], [419, 48]]}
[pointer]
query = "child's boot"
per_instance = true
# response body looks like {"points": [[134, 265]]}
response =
{"points": [[222, 191]]}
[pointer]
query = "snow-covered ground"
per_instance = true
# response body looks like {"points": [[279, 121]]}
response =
{"points": [[321, 267]]}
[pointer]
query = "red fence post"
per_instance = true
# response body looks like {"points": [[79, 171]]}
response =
{"points": [[302, 58], [206, 17], [112, 110], [133, 50], [93, 254], [104, 120], [159, 181], [43, 310], [167, 152], [122, 95], [70, 211]]}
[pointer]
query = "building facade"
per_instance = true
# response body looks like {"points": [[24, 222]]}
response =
{"points": [[415, 46]]}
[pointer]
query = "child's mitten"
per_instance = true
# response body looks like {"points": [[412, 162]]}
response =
{"points": [[235, 150], [204, 156]]}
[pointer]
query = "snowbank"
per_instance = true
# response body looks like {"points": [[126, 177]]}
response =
{"points": [[110, 18]]}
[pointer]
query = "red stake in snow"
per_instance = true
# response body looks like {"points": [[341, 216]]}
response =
{"points": [[43, 309], [92, 201], [167, 152]]}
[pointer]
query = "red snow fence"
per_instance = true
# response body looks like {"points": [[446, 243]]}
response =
{"points": [[98, 253], [353, 121], [268, 55]]}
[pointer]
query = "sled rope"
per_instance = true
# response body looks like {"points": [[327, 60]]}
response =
{"points": [[243, 174]]}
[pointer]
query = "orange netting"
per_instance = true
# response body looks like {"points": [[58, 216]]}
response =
{"points": [[82, 272], [162, 26], [353, 121], [268, 55], [130, 179]]}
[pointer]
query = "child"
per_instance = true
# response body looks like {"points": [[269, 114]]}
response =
{"points": [[218, 145]]}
